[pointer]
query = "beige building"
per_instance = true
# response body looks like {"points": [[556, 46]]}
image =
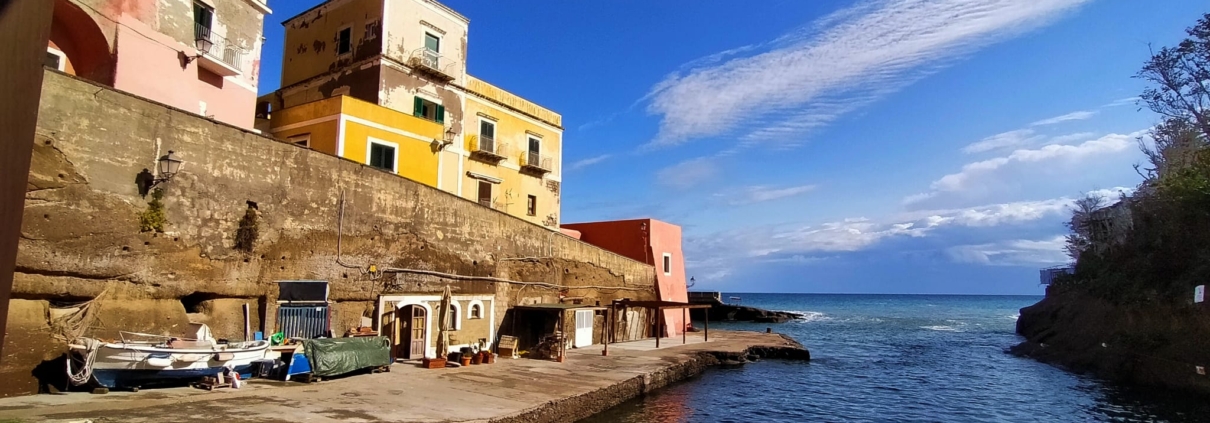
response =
{"points": [[409, 56]]}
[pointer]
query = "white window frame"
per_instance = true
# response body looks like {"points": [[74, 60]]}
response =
{"points": [[62, 58], [370, 141], [305, 139], [531, 137], [338, 31], [667, 264], [475, 303], [457, 313], [495, 127]]}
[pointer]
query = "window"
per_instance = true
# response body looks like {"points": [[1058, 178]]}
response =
{"points": [[55, 59], [203, 20], [423, 108], [487, 132], [476, 311], [432, 42], [485, 193], [302, 140], [531, 206], [667, 264], [382, 155], [344, 41], [534, 158], [451, 318]]}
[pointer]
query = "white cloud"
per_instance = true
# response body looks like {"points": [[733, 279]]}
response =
{"points": [[1019, 252], [1122, 102], [1080, 115], [1003, 140], [979, 175], [580, 164], [819, 73], [688, 173], [1070, 138], [760, 194]]}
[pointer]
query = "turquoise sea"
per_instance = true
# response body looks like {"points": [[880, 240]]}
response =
{"points": [[901, 358]]}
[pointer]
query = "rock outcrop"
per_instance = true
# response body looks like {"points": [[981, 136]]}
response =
{"points": [[720, 311], [1154, 345]]}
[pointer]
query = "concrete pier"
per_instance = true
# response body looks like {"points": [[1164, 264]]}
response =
{"points": [[520, 390]]}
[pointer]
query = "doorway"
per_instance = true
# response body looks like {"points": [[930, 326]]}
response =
{"points": [[413, 322], [485, 193], [584, 320]]}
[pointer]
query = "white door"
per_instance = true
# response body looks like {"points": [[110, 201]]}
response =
{"points": [[583, 328]]}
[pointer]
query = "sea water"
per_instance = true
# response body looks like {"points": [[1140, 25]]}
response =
{"points": [[901, 358]]}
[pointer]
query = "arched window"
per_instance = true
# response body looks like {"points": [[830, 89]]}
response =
{"points": [[476, 311], [453, 320]]}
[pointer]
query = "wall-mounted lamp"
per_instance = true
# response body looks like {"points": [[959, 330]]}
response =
{"points": [[449, 139], [167, 167], [203, 45]]}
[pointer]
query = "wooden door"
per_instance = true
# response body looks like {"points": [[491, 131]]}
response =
{"points": [[412, 323]]}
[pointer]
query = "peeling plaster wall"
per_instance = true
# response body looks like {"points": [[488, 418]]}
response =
{"points": [[408, 20], [312, 39], [81, 237]]}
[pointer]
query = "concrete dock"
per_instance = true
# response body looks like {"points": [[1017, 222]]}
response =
{"points": [[520, 390]]}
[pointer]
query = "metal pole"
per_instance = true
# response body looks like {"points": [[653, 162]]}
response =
{"points": [[684, 319], [608, 329], [707, 325]]}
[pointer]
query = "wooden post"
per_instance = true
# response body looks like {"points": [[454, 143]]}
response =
{"points": [[659, 326], [684, 319], [563, 335], [608, 329], [247, 323], [24, 34], [707, 325]]}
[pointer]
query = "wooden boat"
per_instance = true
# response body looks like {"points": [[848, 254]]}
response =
{"points": [[143, 359]]}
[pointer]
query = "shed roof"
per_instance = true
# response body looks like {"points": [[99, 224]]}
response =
{"points": [[560, 306]]}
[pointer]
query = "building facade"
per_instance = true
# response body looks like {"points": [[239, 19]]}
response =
{"points": [[409, 57], [201, 56], [649, 241]]}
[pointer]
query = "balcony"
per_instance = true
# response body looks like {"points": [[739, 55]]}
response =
{"points": [[434, 64], [224, 58], [487, 149], [535, 163]]}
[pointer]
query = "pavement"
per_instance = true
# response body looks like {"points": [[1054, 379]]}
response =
{"points": [[407, 393]]}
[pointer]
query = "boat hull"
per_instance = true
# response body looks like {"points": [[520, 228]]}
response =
{"points": [[133, 365]]}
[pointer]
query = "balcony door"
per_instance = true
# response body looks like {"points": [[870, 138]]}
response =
{"points": [[535, 145], [485, 193]]}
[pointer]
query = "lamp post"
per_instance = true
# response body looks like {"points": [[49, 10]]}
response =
{"points": [[169, 165]]}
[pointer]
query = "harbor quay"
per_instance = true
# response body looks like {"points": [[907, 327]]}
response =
{"points": [[509, 390]]}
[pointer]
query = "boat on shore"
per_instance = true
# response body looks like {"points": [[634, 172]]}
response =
{"points": [[144, 359]]}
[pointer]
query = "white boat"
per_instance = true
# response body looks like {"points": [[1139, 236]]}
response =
{"points": [[142, 359]]}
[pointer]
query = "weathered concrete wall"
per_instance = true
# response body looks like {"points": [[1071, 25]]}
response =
{"points": [[81, 234]]}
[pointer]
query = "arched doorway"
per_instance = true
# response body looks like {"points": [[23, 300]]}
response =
{"points": [[413, 322], [78, 46]]}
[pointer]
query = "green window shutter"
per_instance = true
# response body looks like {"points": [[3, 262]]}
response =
{"points": [[418, 110], [440, 114]]}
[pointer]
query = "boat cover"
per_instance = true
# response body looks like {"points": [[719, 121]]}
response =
{"points": [[337, 356]]}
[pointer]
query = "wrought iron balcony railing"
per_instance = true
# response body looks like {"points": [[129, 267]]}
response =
{"points": [[488, 148], [221, 49], [433, 63], [535, 162]]}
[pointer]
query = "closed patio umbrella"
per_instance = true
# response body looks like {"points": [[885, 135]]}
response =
{"points": [[443, 342]]}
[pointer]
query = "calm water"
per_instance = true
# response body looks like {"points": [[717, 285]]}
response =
{"points": [[882, 358]]}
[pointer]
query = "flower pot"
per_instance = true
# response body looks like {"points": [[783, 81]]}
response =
{"points": [[488, 358], [433, 363], [477, 359], [466, 361]]}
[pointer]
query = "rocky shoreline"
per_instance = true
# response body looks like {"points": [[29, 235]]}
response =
{"points": [[1153, 345], [723, 312]]}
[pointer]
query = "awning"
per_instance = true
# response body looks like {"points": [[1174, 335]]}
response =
{"points": [[484, 177], [560, 307], [662, 305]]}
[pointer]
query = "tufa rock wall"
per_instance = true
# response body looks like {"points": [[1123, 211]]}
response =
{"points": [[82, 239]]}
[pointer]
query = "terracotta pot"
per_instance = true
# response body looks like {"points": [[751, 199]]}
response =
{"points": [[489, 358], [476, 359], [466, 361]]}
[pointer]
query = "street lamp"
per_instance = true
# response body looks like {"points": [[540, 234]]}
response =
{"points": [[203, 45], [169, 166]]}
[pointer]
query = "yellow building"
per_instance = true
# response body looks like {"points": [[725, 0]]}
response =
{"points": [[361, 77]]}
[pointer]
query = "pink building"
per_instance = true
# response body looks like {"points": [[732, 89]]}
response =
{"points": [[649, 241], [201, 56]]}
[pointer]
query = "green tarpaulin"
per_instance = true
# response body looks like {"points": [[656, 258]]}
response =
{"points": [[337, 356]]}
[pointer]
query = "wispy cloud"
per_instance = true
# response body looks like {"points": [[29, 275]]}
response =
{"points": [[1123, 102], [978, 175], [1017, 252], [1070, 138], [815, 75], [580, 164], [721, 253], [1003, 140], [689, 173], [1080, 115], [760, 194]]}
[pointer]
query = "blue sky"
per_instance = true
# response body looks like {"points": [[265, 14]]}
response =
{"points": [[870, 146]]}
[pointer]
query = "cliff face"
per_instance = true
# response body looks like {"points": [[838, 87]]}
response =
{"points": [[1153, 345]]}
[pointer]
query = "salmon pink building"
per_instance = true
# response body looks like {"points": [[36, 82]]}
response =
{"points": [[650, 241], [201, 56]]}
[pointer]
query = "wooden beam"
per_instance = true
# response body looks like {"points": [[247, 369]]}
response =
{"points": [[24, 34]]}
